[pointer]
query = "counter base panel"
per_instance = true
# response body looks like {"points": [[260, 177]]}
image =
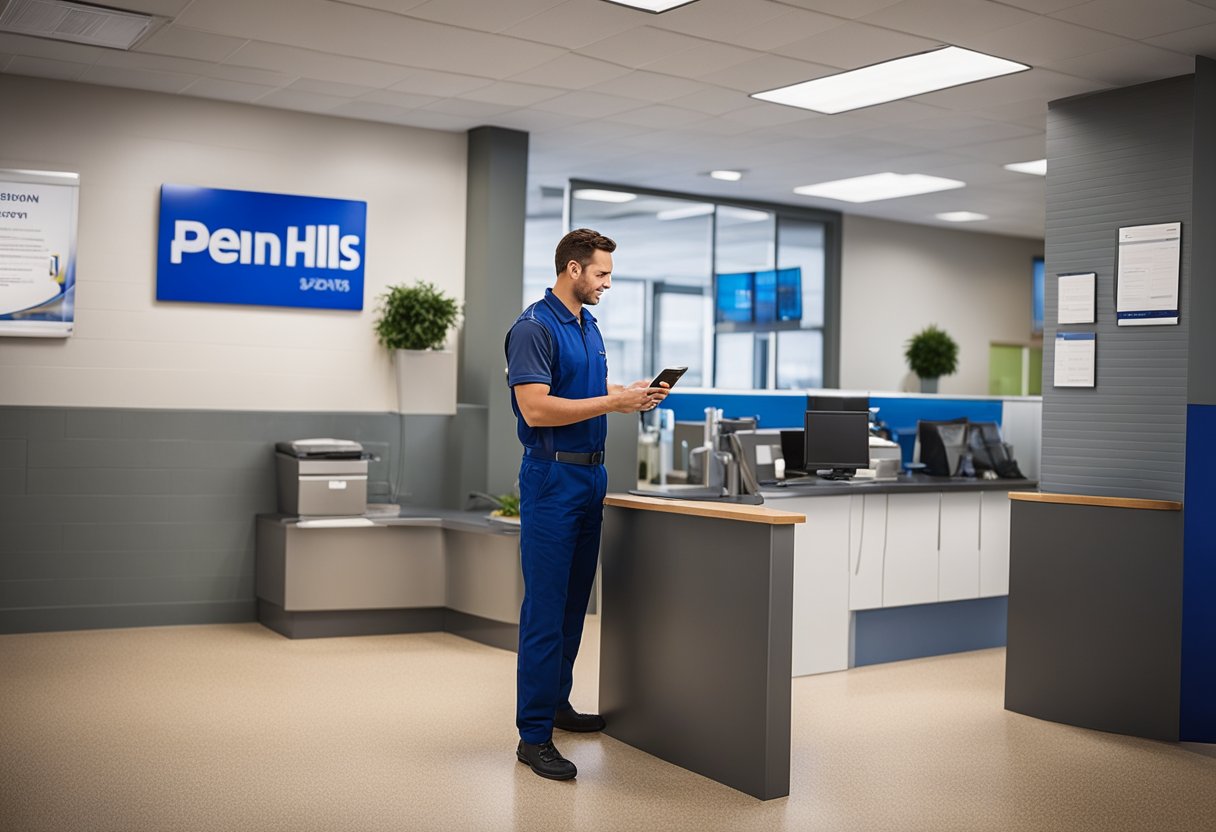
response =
{"points": [[695, 644], [1095, 617], [338, 623], [894, 634]]}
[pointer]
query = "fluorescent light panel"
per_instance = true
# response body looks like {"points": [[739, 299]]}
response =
{"points": [[1038, 167], [961, 216], [699, 209], [652, 6], [75, 22], [878, 186], [892, 80], [596, 195], [727, 175]]}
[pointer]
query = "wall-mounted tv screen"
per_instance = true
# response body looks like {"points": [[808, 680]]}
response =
{"points": [[734, 301], [761, 297], [1036, 312]]}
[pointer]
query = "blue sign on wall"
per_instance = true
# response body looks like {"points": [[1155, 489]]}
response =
{"points": [[220, 246]]}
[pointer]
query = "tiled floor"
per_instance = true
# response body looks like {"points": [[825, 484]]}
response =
{"points": [[232, 727]]}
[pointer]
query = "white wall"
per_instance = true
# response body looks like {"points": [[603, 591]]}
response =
{"points": [[898, 278], [128, 350]]}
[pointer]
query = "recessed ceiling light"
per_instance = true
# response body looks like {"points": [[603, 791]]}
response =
{"points": [[1038, 167], [596, 195], [652, 6], [892, 80], [730, 213], [961, 216], [699, 209], [727, 175], [76, 22], [878, 186]]}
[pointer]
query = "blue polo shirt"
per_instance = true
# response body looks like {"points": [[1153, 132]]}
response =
{"points": [[546, 345]]}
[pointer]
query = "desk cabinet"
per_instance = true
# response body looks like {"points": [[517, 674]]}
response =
{"points": [[958, 555], [994, 544], [909, 573], [867, 547]]}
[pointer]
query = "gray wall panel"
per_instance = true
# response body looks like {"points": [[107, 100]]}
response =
{"points": [[1202, 380], [118, 517], [1118, 158]]}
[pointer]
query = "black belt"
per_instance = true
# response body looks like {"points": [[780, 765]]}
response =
{"points": [[571, 457]]}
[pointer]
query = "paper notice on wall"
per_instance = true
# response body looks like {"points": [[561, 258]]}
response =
{"points": [[37, 252], [1076, 354], [1075, 303], [1147, 293]]}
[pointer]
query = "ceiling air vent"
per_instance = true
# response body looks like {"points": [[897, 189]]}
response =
{"points": [[76, 22]]}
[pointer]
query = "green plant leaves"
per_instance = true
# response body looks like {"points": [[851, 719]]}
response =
{"points": [[932, 353], [415, 317]]}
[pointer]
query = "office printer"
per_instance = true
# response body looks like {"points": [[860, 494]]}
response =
{"points": [[322, 477]]}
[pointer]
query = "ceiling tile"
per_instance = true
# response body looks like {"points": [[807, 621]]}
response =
{"points": [[1042, 40], [157, 81], [46, 68], [577, 23], [329, 88], [1132, 63], [765, 114], [853, 45], [512, 94], [1198, 41], [649, 86], [1007, 150], [165, 8], [702, 60], [1044, 6], [478, 14], [227, 90], [1138, 20], [640, 46], [245, 74], [947, 20], [432, 82], [718, 19], [584, 105], [56, 50], [787, 27], [843, 8], [572, 72], [531, 121], [659, 115], [463, 107], [400, 100], [190, 43], [766, 73], [310, 102], [395, 6], [1031, 112], [306, 63], [714, 100]]}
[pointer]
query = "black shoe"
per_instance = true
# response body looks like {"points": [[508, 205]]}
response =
{"points": [[546, 760], [571, 720]]}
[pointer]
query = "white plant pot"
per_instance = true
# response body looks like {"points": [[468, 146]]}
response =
{"points": [[426, 381]]}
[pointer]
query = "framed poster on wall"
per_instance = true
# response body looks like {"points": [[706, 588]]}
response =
{"points": [[38, 214]]}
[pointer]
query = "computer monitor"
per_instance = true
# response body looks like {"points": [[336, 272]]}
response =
{"points": [[793, 446], [837, 442]]}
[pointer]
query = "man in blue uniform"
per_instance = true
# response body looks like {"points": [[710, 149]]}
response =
{"points": [[558, 373]]}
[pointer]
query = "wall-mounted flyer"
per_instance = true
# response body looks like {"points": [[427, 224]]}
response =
{"points": [[38, 212], [1147, 290], [1076, 353], [1075, 302]]}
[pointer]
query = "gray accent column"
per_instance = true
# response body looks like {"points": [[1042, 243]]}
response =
{"points": [[1201, 378], [1115, 159], [494, 279], [695, 645], [1095, 617]]}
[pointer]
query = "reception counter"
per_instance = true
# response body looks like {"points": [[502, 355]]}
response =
{"points": [[695, 640]]}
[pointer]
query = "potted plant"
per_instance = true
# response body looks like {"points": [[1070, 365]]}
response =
{"points": [[931, 353], [414, 322]]}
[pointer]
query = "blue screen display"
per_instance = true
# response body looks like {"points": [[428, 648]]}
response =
{"points": [[734, 301], [766, 297], [222, 246], [789, 294], [1036, 313]]}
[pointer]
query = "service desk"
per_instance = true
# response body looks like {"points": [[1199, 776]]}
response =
{"points": [[695, 633]]}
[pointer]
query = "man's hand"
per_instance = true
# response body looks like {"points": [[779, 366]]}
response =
{"points": [[640, 396]]}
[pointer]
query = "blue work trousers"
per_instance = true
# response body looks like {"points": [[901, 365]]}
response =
{"points": [[561, 510]]}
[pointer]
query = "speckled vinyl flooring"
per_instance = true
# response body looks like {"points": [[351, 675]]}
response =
{"points": [[232, 727]]}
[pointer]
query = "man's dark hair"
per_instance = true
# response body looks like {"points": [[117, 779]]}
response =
{"points": [[581, 245]]}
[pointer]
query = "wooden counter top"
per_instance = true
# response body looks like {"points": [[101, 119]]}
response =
{"points": [[700, 508], [1087, 500]]}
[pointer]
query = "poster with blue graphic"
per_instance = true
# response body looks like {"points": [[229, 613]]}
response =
{"points": [[247, 247], [38, 212]]}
